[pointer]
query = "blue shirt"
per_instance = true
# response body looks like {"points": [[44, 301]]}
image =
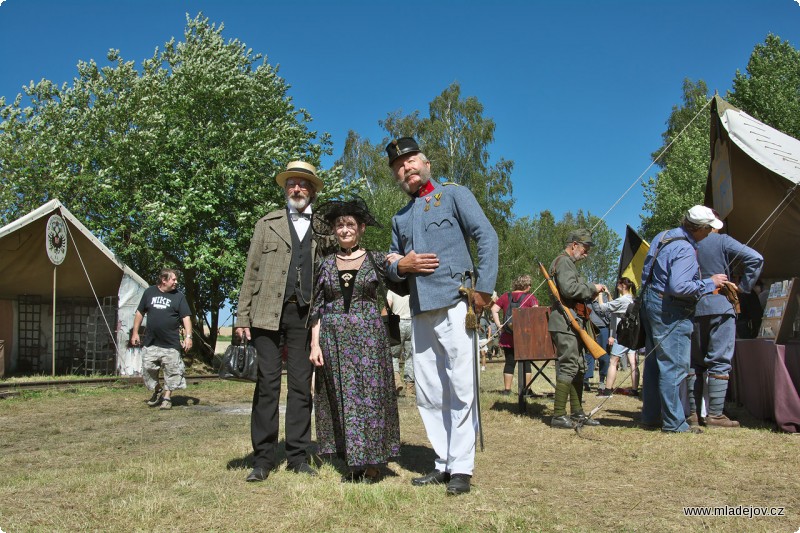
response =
{"points": [[676, 271]]}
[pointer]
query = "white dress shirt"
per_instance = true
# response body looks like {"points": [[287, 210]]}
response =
{"points": [[301, 224]]}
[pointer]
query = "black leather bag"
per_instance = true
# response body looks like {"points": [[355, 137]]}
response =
{"points": [[630, 332], [392, 324], [240, 363], [391, 321]]}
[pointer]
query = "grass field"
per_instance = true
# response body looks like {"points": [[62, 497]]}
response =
{"points": [[101, 460]]}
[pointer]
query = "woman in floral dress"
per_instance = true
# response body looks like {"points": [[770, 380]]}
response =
{"points": [[354, 401]]}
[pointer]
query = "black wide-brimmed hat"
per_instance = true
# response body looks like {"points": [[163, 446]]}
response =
{"points": [[325, 214], [401, 146]]}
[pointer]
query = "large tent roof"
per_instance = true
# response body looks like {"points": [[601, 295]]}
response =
{"points": [[26, 269], [753, 183]]}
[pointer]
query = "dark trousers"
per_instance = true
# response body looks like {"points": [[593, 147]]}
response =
{"points": [[264, 417], [511, 363]]}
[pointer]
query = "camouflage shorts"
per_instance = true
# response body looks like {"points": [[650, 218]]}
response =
{"points": [[154, 358]]}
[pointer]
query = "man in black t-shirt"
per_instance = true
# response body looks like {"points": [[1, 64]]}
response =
{"points": [[165, 308]]}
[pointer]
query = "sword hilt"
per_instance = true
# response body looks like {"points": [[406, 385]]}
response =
{"points": [[471, 321]]}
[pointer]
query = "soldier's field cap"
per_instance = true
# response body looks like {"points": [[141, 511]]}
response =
{"points": [[583, 236], [703, 216], [401, 146]]}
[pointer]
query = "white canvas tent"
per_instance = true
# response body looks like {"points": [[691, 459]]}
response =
{"points": [[753, 183], [90, 272]]}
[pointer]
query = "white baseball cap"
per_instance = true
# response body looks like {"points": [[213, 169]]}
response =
{"points": [[703, 216]]}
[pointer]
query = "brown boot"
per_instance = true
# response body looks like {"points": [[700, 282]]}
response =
{"points": [[693, 420], [721, 421]]}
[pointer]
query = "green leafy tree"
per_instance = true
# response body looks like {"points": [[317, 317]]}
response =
{"points": [[517, 251], [364, 169], [770, 91], [171, 165], [456, 138], [541, 238], [681, 181]]}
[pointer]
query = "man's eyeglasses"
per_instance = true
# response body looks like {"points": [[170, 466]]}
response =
{"points": [[303, 184]]}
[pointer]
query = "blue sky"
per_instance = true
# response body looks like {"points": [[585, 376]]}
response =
{"points": [[579, 91]]}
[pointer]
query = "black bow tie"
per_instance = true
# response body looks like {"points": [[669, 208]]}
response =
{"points": [[298, 216]]}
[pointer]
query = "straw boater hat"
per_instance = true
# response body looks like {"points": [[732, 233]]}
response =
{"points": [[300, 169]]}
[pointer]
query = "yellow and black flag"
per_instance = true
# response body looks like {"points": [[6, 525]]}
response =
{"points": [[631, 262]]}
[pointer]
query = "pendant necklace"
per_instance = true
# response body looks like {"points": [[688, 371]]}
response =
{"points": [[347, 277]]}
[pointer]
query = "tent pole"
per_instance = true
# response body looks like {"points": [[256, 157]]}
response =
{"points": [[54, 320]]}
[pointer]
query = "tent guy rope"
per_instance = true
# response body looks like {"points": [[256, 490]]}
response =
{"points": [[91, 286], [655, 160]]}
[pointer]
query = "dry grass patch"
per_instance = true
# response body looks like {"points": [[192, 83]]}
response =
{"points": [[101, 460]]}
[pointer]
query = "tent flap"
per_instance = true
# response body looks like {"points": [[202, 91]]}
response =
{"points": [[753, 183]]}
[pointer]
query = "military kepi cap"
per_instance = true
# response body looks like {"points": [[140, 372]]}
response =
{"points": [[401, 146], [583, 236]]}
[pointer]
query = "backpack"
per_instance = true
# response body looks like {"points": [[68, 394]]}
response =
{"points": [[508, 327], [630, 331]]}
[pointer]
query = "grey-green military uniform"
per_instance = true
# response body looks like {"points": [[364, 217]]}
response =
{"points": [[573, 288]]}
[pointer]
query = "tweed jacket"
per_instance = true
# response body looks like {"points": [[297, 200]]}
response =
{"points": [[443, 222], [573, 288], [264, 283]]}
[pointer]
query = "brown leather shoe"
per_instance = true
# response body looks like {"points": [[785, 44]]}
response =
{"points": [[693, 420], [721, 421]]}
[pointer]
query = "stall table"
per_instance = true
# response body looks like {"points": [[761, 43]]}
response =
{"points": [[766, 379]]}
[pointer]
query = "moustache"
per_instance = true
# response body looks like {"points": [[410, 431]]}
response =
{"points": [[411, 173]]}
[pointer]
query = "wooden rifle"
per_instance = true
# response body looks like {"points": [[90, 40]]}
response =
{"points": [[595, 349]]}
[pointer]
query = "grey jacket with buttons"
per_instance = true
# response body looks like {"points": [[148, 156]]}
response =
{"points": [[452, 219]]}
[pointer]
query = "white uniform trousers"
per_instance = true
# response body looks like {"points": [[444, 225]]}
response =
{"points": [[444, 376]]}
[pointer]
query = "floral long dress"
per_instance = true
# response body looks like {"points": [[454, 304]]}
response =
{"points": [[355, 404]]}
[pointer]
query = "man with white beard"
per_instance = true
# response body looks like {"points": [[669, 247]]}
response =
{"points": [[273, 308]]}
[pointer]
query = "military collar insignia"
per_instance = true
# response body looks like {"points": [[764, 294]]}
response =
{"points": [[425, 189]]}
